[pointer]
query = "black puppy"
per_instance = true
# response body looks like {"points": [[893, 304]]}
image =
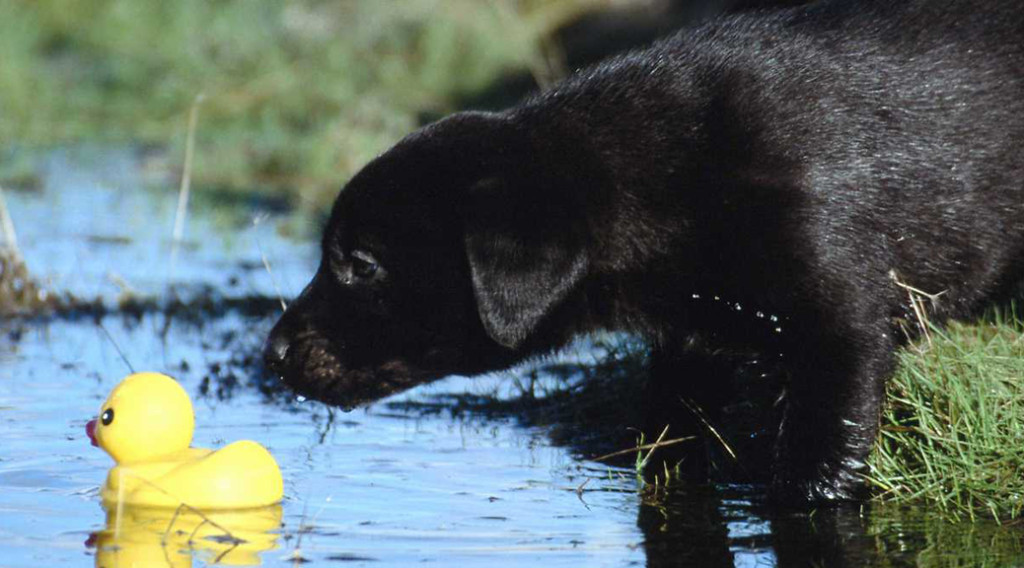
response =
{"points": [[803, 163]]}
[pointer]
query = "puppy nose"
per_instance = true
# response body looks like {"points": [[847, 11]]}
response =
{"points": [[275, 351]]}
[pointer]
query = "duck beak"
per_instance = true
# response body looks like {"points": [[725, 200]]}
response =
{"points": [[90, 430]]}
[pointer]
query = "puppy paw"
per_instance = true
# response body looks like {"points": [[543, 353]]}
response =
{"points": [[827, 484]]}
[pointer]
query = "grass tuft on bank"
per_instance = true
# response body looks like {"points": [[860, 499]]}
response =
{"points": [[953, 430]]}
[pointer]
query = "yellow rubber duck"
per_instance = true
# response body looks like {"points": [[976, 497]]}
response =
{"points": [[146, 426]]}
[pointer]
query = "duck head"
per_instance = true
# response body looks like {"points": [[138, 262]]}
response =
{"points": [[147, 416]]}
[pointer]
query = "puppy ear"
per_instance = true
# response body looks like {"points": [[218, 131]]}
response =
{"points": [[526, 254]]}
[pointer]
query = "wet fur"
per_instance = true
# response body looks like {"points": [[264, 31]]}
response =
{"points": [[800, 163]]}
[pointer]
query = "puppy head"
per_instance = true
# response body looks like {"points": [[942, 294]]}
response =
{"points": [[445, 255]]}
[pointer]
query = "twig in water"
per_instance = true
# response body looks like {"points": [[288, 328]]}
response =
{"points": [[186, 181], [117, 347], [327, 425], [266, 264], [579, 492], [643, 463], [696, 410], [644, 447], [10, 237], [228, 536], [296, 555]]}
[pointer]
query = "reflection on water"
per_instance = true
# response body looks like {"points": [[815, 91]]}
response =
{"points": [[140, 537], [386, 485]]}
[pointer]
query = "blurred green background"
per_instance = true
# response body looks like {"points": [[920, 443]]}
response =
{"points": [[296, 95]]}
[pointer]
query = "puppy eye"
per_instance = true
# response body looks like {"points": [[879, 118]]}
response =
{"points": [[364, 266]]}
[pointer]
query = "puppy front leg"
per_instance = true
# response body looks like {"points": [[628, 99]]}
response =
{"points": [[830, 419], [685, 392]]}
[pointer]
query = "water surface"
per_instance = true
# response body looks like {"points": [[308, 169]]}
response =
{"points": [[418, 478]]}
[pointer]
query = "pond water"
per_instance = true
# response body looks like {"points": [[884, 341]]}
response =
{"points": [[418, 478]]}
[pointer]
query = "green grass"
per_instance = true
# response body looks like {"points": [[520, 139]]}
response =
{"points": [[298, 95], [953, 430]]}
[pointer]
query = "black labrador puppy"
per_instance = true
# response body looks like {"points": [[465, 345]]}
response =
{"points": [[807, 163]]}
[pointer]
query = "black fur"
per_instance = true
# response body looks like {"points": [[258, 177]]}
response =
{"points": [[801, 163]]}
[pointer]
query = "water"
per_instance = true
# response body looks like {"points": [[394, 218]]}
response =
{"points": [[409, 480]]}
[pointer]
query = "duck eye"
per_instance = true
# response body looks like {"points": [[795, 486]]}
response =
{"points": [[363, 265], [107, 417]]}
